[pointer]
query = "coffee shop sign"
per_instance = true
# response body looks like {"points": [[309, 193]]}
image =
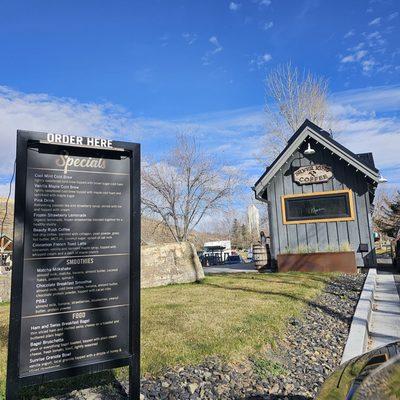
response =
{"points": [[318, 173]]}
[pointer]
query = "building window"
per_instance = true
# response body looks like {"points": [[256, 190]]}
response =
{"points": [[330, 206]]}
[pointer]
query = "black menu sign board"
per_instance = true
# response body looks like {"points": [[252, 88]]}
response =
{"points": [[76, 270]]}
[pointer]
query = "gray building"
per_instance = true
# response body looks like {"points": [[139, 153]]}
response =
{"points": [[319, 196]]}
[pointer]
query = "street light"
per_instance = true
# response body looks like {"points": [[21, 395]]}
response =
{"points": [[382, 179], [309, 150]]}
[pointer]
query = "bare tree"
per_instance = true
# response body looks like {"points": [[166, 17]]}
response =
{"points": [[220, 226], [184, 187], [295, 96], [386, 212]]}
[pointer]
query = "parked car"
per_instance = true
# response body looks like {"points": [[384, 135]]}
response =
{"points": [[372, 376], [234, 259], [209, 260]]}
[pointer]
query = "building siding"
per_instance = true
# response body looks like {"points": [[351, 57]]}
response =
{"points": [[321, 236]]}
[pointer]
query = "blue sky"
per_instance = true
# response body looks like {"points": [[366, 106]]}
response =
{"points": [[144, 70], [166, 59]]}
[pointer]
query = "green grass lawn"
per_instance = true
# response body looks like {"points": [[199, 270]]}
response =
{"points": [[4, 311], [231, 316]]}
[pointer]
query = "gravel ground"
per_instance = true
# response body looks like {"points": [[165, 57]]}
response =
{"points": [[294, 370]]}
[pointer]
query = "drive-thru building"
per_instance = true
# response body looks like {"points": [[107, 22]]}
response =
{"points": [[319, 197]]}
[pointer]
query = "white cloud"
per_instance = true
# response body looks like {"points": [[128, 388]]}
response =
{"points": [[375, 42], [234, 6], [44, 113], [357, 47], [365, 54], [349, 34], [366, 120], [381, 136], [214, 40], [259, 61], [386, 67], [374, 39], [265, 3], [206, 59], [266, 57], [368, 65], [373, 35], [375, 21], [268, 25], [357, 56], [189, 38], [379, 98], [379, 43]]}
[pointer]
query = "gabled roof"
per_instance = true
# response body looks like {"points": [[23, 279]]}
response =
{"points": [[363, 162]]}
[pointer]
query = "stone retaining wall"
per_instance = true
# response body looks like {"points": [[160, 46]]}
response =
{"points": [[161, 265], [5, 287], [170, 263]]}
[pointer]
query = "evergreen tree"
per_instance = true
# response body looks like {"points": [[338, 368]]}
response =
{"points": [[235, 233], [246, 237], [240, 235], [388, 220]]}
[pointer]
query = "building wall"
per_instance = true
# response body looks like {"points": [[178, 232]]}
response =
{"points": [[321, 235]]}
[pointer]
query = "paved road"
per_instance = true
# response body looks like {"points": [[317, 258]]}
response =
{"points": [[397, 281], [384, 326], [230, 268], [385, 265]]}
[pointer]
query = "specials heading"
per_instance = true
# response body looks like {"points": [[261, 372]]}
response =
{"points": [[79, 140]]}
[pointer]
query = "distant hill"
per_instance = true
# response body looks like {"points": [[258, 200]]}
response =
{"points": [[153, 231], [156, 232], [9, 221]]}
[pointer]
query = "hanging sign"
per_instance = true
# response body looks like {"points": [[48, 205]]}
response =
{"points": [[76, 267], [317, 173]]}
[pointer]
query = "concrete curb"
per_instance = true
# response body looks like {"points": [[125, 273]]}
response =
{"points": [[359, 331]]}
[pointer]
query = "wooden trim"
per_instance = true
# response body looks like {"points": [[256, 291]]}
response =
{"points": [[349, 192]]}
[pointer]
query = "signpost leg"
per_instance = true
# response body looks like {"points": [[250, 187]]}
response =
{"points": [[12, 391], [134, 380]]}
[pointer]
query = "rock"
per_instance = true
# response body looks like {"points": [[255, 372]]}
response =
{"points": [[274, 389], [193, 387]]}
